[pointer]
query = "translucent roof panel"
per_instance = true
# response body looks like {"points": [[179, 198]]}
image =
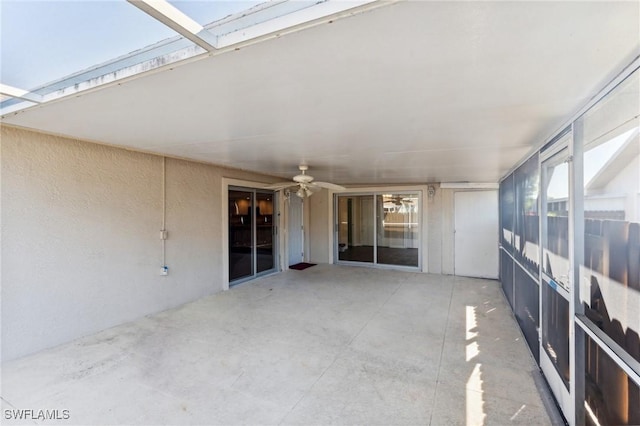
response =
{"points": [[44, 41], [274, 16], [207, 11]]}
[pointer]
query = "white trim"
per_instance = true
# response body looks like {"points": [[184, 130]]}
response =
{"points": [[14, 92], [332, 227], [557, 154], [604, 342], [469, 185], [169, 15], [224, 206], [557, 385]]}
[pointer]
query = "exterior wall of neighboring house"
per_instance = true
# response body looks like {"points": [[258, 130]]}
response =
{"points": [[81, 247], [621, 193], [628, 178]]}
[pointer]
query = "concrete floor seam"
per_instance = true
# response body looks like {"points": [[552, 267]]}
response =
{"points": [[444, 338]]}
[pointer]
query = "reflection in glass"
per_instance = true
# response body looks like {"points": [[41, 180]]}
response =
{"points": [[526, 308], [397, 229], [555, 330], [611, 397], [355, 228], [556, 249], [240, 234], [264, 232], [610, 287], [507, 207], [527, 251], [506, 277]]}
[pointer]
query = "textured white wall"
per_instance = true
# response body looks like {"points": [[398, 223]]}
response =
{"points": [[319, 230], [447, 231], [81, 250], [433, 233]]}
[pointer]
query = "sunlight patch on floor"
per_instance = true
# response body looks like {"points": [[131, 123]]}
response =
{"points": [[474, 401]]}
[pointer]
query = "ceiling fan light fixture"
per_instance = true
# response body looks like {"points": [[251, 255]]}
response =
{"points": [[307, 185]]}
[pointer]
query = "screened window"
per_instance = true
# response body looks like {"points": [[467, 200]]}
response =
{"points": [[610, 287], [527, 182], [507, 208]]}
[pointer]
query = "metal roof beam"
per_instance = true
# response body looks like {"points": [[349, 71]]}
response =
{"points": [[170, 16]]}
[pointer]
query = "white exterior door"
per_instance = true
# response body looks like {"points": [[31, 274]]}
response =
{"points": [[476, 234], [295, 230]]}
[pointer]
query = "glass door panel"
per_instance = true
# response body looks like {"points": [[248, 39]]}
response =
{"points": [[397, 229], [355, 228], [252, 246], [264, 232], [240, 234]]}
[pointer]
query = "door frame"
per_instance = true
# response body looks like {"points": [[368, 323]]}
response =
{"points": [[497, 229], [287, 199], [278, 240], [374, 192], [564, 397]]}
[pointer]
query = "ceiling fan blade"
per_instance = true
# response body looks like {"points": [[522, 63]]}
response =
{"points": [[328, 185], [279, 185]]}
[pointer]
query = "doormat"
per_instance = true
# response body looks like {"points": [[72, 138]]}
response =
{"points": [[302, 265]]}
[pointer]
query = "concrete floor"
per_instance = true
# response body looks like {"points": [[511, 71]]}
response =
{"points": [[327, 345]]}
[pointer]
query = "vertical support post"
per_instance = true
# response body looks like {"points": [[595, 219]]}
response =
{"points": [[576, 247]]}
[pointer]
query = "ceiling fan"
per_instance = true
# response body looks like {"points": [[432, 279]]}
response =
{"points": [[306, 184], [398, 200]]}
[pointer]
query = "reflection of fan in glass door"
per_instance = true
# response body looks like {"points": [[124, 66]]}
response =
{"points": [[397, 226], [396, 221], [378, 228]]}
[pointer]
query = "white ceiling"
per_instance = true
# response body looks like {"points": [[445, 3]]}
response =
{"points": [[407, 93]]}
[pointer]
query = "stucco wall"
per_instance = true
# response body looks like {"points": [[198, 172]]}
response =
{"points": [[81, 249], [447, 231], [319, 230], [435, 216]]}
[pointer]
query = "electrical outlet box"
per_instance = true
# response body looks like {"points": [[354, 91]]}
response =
{"points": [[164, 270], [163, 234]]}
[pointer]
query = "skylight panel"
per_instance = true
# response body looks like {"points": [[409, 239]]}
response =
{"points": [[277, 17], [57, 48], [207, 11], [44, 41]]}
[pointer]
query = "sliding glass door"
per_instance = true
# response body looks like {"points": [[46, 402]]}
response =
{"points": [[356, 228], [251, 234], [377, 228]]}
